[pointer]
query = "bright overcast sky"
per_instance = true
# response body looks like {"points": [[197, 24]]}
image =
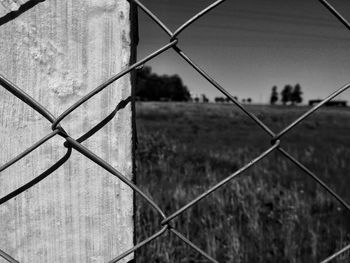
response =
{"points": [[250, 45]]}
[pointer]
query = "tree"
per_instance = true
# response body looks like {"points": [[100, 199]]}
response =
{"points": [[274, 95], [296, 97], [249, 100], [286, 94], [204, 98], [219, 99], [150, 86]]}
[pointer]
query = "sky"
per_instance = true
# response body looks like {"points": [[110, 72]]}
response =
{"points": [[248, 46]]}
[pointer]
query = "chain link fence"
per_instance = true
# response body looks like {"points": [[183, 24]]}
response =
{"points": [[166, 223]]}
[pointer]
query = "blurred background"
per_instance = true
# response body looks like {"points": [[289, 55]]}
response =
{"points": [[274, 57], [249, 46]]}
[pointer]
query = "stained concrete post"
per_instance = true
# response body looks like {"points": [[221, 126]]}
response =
{"points": [[57, 51]]}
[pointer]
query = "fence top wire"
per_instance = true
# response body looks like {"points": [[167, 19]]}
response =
{"points": [[70, 143]]}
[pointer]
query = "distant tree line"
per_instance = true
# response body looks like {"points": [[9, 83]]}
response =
{"points": [[202, 98], [152, 87], [289, 95], [227, 100]]}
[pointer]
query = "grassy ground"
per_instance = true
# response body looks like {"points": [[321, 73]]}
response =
{"points": [[273, 212]]}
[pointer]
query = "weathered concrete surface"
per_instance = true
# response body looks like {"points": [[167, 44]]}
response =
{"points": [[7, 6], [57, 52]]}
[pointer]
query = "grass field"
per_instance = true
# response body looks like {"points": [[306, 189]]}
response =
{"points": [[273, 212]]}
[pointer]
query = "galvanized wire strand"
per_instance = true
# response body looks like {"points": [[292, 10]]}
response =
{"points": [[224, 91], [37, 179], [7, 257], [335, 13], [220, 184], [153, 17], [195, 18], [193, 246], [139, 245], [110, 81], [29, 150], [93, 157], [309, 112], [8, 85], [313, 176], [104, 122], [337, 254]]}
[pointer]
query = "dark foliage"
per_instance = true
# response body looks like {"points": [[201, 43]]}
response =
{"points": [[204, 98], [274, 95], [286, 94], [152, 87], [224, 99], [296, 95]]}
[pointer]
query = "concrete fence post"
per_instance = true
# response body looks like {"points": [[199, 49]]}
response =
{"points": [[57, 51]]}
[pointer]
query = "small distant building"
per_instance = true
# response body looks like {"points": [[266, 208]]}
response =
{"points": [[332, 103]]}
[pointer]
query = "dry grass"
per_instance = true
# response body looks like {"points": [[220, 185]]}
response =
{"points": [[271, 213]]}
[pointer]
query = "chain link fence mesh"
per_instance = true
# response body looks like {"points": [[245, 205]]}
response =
{"points": [[166, 223]]}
